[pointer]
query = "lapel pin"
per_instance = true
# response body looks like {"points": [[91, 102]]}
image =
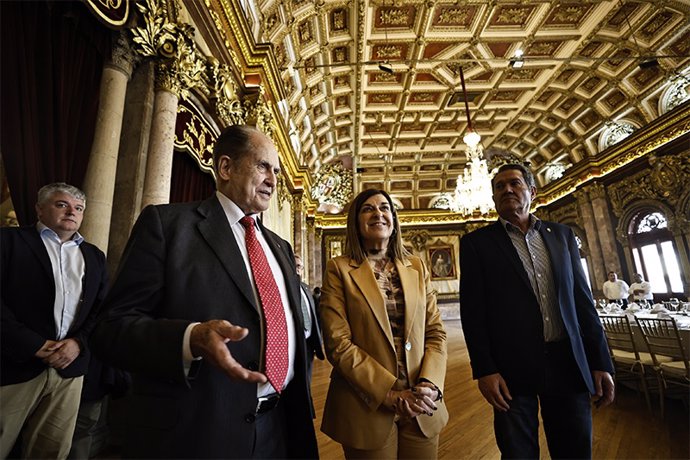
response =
{"points": [[408, 346], [548, 229]]}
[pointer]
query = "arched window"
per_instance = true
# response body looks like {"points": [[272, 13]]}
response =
{"points": [[654, 252]]}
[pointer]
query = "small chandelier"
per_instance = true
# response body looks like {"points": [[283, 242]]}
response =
{"points": [[473, 190]]}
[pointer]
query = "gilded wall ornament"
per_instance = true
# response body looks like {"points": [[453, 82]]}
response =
{"points": [[613, 133], [258, 112], [195, 134], [418, 238], [668, 179], [222, 89], [180, 66], [333, 185], [282, 192]]}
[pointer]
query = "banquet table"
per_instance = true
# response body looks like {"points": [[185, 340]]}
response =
{"points": [[682, 321]]}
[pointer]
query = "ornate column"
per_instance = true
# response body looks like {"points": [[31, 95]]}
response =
{"points": [[314, 254], [99, 183], [586, 215], [161, 143], [607, 236], [680, 227], [179, 66]]}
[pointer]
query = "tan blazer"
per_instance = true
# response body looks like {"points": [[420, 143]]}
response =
{"points": [[359, 344]]}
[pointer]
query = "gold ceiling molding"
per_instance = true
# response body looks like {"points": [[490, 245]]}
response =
{"points": [[660, 132], [230, 24]]}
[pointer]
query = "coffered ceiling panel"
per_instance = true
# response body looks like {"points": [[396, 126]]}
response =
{"points": [[376, 84]]}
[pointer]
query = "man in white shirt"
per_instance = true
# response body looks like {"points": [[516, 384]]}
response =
{"points": [[52, 284], [640, 289], [616, 290]]}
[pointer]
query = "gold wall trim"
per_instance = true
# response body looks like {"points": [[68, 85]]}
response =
{"points": [[660, 132]]}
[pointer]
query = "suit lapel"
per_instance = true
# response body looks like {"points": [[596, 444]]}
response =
{"points": [[506, 245], [410, 287], [215, 229], [34, 241], [363, 277], [555, 251]]}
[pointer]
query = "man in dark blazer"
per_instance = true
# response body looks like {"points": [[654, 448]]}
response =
{"points": [[184, 319], [312, 329], [532, 331], [52, 284]]}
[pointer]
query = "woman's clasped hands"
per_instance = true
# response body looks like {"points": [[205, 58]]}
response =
{"points": [[413, 401]]}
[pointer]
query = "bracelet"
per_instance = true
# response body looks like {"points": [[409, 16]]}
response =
{"points": [[439, 397]]}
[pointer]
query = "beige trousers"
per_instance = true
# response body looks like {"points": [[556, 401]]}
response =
{"points": [[405, 440], [44, 410]]}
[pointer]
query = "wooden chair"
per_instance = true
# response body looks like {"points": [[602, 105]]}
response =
{"points": [[629, 362], [666, 348]]}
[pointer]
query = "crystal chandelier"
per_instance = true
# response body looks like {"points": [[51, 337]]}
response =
{"points": [[473, 189]]}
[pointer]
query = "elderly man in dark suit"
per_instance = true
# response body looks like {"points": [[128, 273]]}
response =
{"points": [[52, 284], [205, 314], [531, 327]]}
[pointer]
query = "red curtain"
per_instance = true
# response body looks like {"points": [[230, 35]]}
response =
{"points": [[188, 181], [52, 60]]}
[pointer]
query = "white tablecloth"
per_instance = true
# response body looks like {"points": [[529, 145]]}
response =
{"points": [[682, 321]]}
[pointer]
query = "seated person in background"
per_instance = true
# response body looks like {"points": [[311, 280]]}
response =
{"points": [[640, 289], [616, 290]]}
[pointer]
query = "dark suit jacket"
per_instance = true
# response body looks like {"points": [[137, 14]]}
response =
{"points": [[181, 265], [501, 318], [315, 340], [28, 298]]}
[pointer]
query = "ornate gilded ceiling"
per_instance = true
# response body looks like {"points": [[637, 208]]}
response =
{"points": [[403, 130]]}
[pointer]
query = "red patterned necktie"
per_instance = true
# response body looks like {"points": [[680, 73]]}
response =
{"points": [[276, 357]]}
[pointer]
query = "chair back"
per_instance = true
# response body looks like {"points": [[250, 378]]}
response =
{"points": [[619, 334], [662, 338]]}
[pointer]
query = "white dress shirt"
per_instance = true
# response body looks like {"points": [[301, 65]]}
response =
{"points": [[234, 214], [615, 290], [69, 267], [646, 289]]}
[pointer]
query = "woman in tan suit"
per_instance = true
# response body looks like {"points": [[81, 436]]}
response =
{"points": [[385, 339]]}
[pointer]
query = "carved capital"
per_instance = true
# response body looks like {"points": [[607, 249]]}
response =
{"points": [[180, 66], [582, 197], [123, 57], [596, 190]]}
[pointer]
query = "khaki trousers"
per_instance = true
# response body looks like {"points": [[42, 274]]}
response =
{"points": [[405, 440], [44, 410]]}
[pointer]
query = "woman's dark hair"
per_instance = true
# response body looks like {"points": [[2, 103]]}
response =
{"points": [[354, 247]]}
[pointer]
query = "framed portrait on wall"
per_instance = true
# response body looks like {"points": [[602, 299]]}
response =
{"points": [[442, 263]]}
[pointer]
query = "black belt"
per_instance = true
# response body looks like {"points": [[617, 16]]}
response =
{"points": [[267, 403]]}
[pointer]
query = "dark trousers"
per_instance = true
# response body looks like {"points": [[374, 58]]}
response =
{"points": [[270, 435], [565, 409]]}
